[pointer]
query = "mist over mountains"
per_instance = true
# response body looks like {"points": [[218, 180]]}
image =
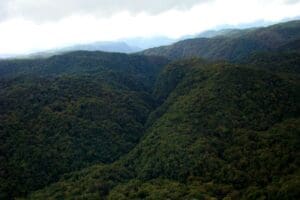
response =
{"points": [[231, 44], [136, 44], [211, 117]]}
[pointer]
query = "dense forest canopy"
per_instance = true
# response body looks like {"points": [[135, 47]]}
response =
{"points": [[207, 118]]}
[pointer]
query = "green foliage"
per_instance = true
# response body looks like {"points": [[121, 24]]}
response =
{"points": [[211, 108], [56, 120], [115, 126], [159, 189], [91, 183], [283, 62], [223, 132]]}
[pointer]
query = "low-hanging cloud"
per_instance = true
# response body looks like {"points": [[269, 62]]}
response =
{"points": [[292, 1], [57, 9], [36, 25]]}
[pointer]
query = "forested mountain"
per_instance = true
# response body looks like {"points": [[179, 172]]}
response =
{"points": [[222, 32], [285, 62], [67, 112], [232, 46], [96, 125], [222, 131]]}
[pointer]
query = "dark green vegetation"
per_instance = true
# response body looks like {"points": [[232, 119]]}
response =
{"points": [[223, 131], [234, 46], [114, 126], [68, 112]]}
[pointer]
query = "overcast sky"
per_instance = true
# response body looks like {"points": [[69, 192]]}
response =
{"points": [[32, 25]]}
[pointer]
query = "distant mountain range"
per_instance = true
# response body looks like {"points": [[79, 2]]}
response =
{"points": [[231, 44], [133, 45], [129, 45], [120, 47], [145, 43]]}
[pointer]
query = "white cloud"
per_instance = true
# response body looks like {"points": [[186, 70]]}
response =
{"points": [[41, 10], [21, 34], [292, 1]]}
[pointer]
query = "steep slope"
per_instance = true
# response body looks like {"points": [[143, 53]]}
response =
{"points": [[283, 62], [68, 112], [291, 46], [79, 62], [232, 46], [222, 131], [224, 32]]}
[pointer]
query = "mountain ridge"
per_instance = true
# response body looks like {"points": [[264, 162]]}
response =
{"points": [[99, 125], [232, 47]]}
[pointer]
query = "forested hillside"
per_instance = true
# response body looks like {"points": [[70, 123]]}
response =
{"points": [[68, 112], [233, 46], [222, 131], [96, 125]]}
